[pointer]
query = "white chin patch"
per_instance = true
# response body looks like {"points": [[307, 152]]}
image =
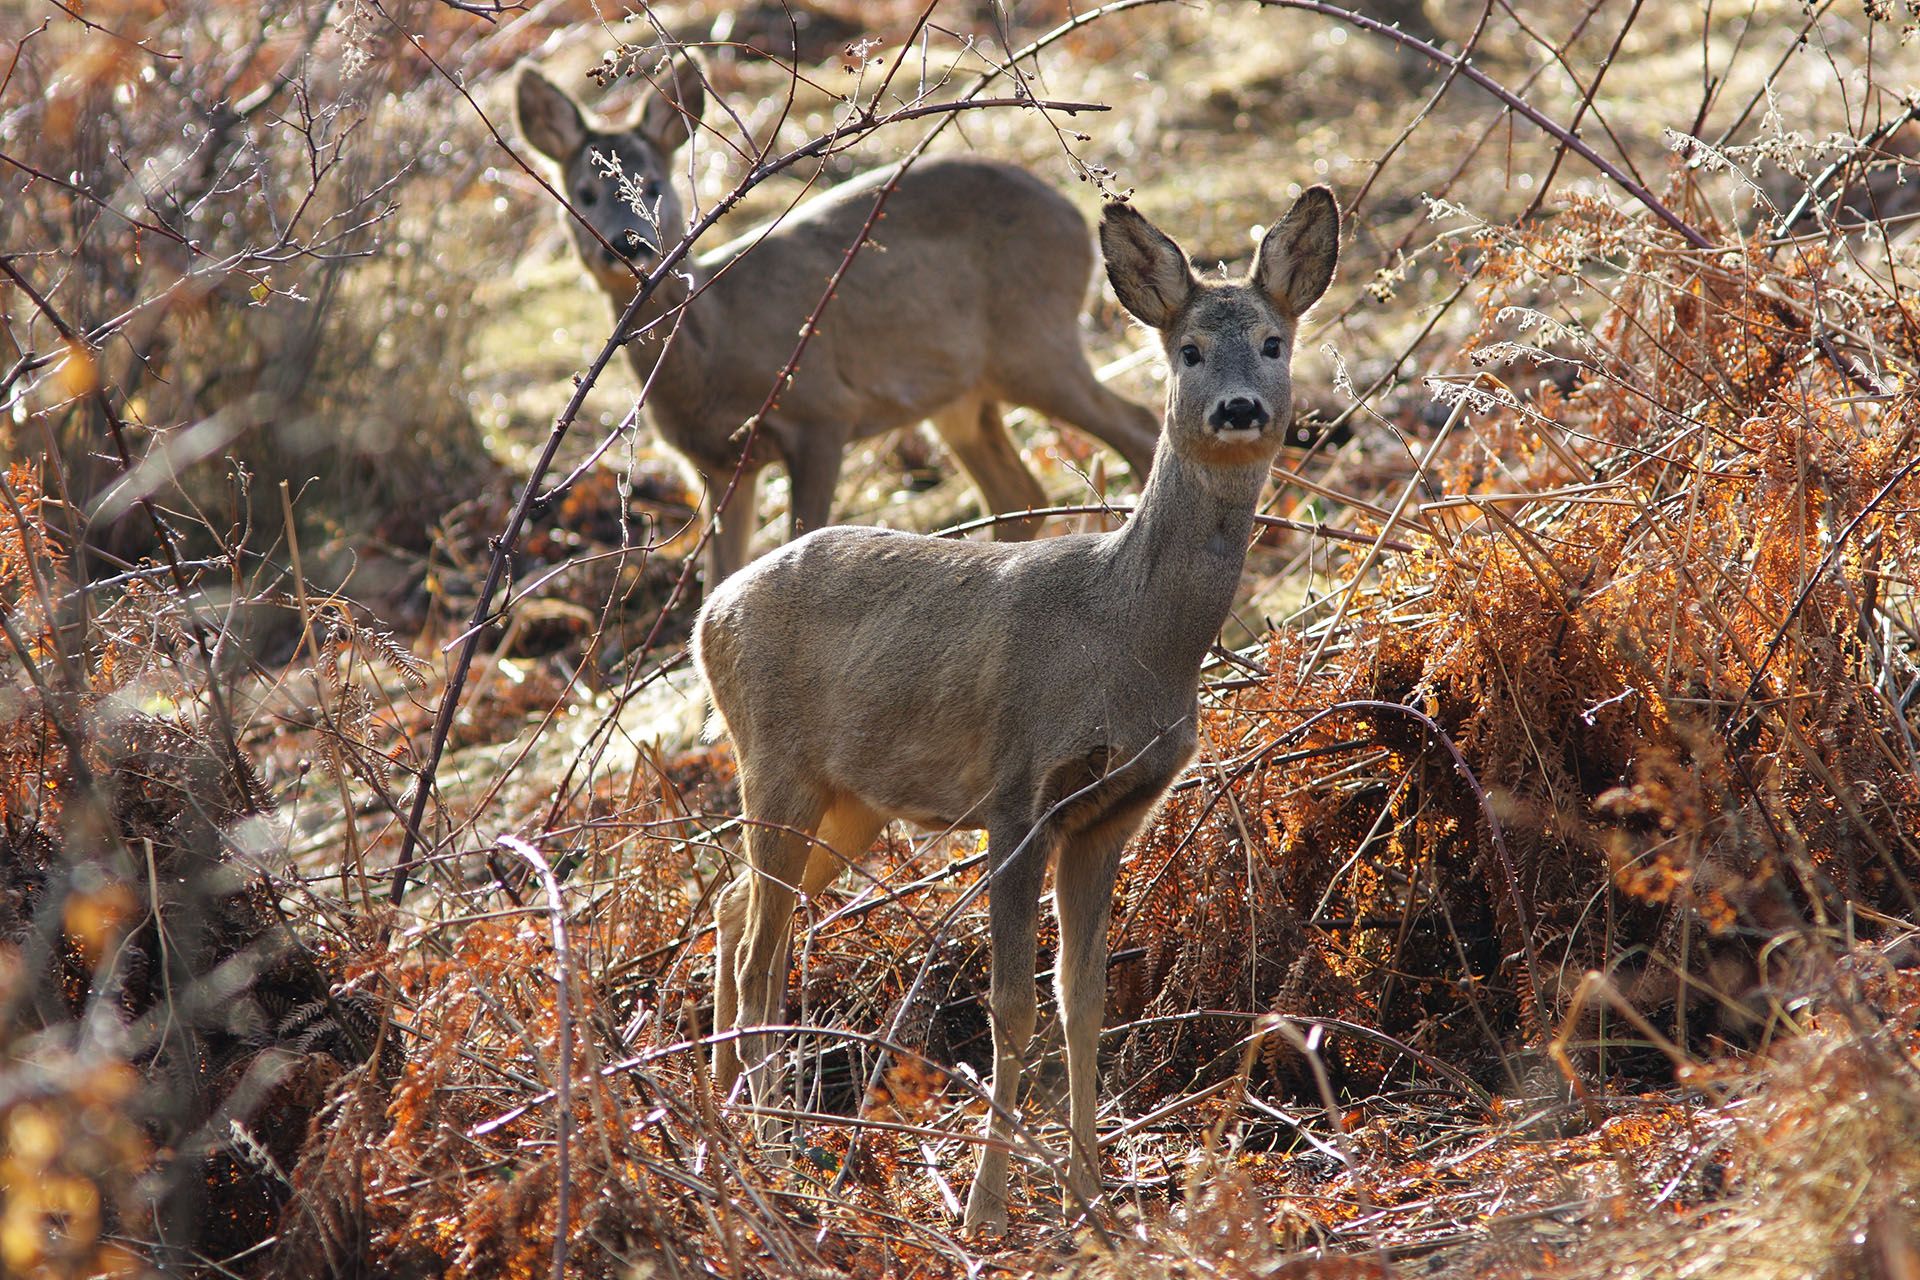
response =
{"points": [[1238, 435]]}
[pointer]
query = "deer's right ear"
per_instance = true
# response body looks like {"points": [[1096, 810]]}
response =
{"points": [[550, 119], [672, 107], [1150, 274]]}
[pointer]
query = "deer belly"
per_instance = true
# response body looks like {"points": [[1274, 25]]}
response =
{"points": [[933, 780]]}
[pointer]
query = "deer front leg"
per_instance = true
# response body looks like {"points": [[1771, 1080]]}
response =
{"points": [[813, 466], [778, 839], [732, 543], [1083, 902], [1012, 916]]}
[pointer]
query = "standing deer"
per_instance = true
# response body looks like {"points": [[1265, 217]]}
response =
{"points": [[967, 298], [1046, 691]]}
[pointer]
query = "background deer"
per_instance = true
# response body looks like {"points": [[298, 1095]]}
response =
{"points": [[967, 298], [1047, 692]]}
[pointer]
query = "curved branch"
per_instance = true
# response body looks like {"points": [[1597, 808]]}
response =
{"points": [[563, 1011]]}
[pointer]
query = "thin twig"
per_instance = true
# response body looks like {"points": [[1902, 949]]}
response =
{"points": [[1126, 508], [1519, 106]]}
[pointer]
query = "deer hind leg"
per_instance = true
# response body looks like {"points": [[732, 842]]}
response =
{"points": [[729, 920], [1063, 386], [846, 828], [846, 831], [1012, 913], [1083, 903], [973, 429], [779, 836]]}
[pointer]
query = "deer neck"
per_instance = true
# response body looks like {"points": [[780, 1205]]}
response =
{"points": [[676, 327], [1179, 559]]}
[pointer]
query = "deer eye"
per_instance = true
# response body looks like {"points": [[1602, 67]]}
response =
{"points": [[1190, 354], [1271, 349], [587, 197]]}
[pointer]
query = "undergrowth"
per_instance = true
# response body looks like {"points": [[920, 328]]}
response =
{"points": [[1546, 867]]}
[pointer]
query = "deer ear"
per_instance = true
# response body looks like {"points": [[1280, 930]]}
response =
{"points": [[1150, 274], [672, 107], [550, 120], [1296, 259]]}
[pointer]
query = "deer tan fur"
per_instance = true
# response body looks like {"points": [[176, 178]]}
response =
{"points": [[967, 298], [1046, 692]]}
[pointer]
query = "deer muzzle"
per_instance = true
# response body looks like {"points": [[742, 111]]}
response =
{"points": [[1239, 413]]}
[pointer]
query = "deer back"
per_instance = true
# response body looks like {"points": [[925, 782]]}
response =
{"points": [[974, 273]]}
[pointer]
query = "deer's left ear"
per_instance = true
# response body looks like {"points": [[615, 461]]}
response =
{"points": [[672, 107], [550, 120], [1296, 259]]}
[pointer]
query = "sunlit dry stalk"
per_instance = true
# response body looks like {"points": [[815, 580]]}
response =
{"points": [[563, 1071]]}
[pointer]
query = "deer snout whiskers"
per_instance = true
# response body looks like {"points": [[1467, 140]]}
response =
{"points": [[1239, 413]]}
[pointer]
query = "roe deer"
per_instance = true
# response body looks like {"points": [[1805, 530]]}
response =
{"points": [[968, 298], [1046, 692]]}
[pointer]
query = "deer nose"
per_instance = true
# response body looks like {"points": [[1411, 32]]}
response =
{"points": [[1241, 413], [627, 245]]}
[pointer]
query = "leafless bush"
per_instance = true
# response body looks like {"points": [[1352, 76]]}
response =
{"points": [[226, 243], [153, 994]]}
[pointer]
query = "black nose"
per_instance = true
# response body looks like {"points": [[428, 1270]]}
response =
{"points": [[627, 245], [1241, 413]]}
